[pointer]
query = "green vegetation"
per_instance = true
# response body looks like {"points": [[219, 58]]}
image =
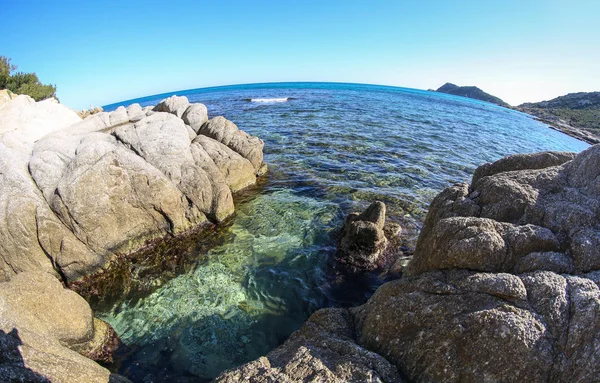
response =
{"points": [[586, 119], [23, 83], [579, 110]]}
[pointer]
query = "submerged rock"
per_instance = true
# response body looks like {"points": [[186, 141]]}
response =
{"points": [[504, 283]]}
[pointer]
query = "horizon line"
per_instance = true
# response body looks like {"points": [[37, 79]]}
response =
{"points": [[171, 93]]}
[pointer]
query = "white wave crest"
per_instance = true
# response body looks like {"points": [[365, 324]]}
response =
{"points": [[283, 99]]}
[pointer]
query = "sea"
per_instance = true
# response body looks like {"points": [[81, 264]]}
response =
{"points": [[331, 148]]}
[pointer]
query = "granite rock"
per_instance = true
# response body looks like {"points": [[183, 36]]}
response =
{"points": [[362, 240], [91, 189], [42, 328], [323, 350]]}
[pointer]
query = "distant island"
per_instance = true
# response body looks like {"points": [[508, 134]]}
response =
{"points": [[576, 114], [471, 92]]}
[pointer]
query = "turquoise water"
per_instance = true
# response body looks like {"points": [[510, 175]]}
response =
{"points": [[331, 149]]}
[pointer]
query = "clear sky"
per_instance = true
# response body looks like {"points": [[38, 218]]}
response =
{"points": [[100, 52]]}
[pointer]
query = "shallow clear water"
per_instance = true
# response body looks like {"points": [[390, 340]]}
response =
{"points": [[331, 149]]}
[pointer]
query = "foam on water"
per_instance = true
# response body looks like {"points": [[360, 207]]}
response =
{"points": [[269, 100]]}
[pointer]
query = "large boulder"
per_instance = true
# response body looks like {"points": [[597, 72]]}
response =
{"points": [[23, 121], [465, 326], [107, 185], [45, 329], [515, 218], [29, 230], [503, 285]]}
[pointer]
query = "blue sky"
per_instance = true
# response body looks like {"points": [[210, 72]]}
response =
{"points": [[100, 52]]}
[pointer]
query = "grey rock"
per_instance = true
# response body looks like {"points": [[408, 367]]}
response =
{"points": [[541, 212], [465, 326], [135, 113], [107, 185], [31, 236], [46, 322], [481, 244], [362, 240], [130, 196], [23, 121], [547, 260], [238, 171], [525, 219], [522, 162], [221, 197], [195, 116], [148, 110], [323, 350], [119, 116], [163, 141], [227, 133], [191, 134], [176, 105], [437, 330], [375, 213]]}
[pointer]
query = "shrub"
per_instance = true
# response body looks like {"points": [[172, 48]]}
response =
{"points": [[23, 83]]}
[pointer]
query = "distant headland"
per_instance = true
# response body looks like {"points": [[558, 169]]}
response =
{"points": [[575, 114], [471, 92]]}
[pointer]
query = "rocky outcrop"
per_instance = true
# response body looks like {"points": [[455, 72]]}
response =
{"points": [[504, 283], [107, 185], [75, 195], [227, 133], [45, 331], [575, 114], [458, 325], [23, 121], [323, 350], [362, 240], [527, 219]]}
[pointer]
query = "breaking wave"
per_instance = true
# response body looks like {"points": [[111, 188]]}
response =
{"points": [[282, 99]]}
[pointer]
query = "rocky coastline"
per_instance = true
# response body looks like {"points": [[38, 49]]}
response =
{"points": [[80, 196], [503, 284], [559, 124]]}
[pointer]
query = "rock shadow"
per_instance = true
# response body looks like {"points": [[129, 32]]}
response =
{"points": [[12, 365]]}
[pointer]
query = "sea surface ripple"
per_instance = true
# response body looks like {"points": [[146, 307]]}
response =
{"points": [[331, 148]]}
